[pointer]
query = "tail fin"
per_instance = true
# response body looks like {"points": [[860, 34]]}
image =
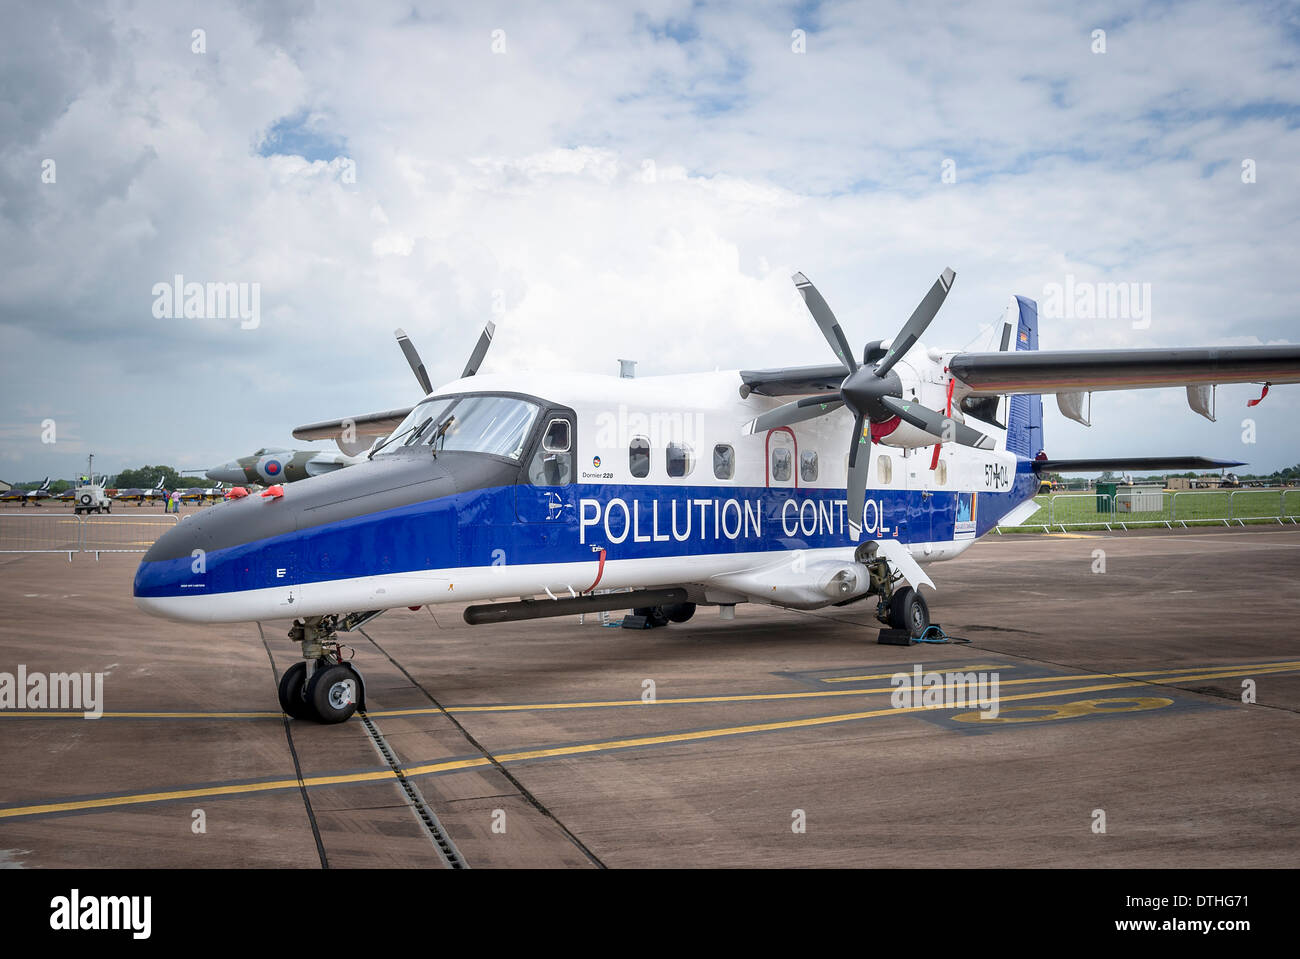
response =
{"points": [[1024, 411]]}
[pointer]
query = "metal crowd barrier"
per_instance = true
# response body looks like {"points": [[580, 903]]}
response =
{"points": [[1180, 508], [24, 533]]}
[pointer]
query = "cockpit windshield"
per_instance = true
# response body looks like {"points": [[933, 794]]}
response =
{"points": [[476, 424]]}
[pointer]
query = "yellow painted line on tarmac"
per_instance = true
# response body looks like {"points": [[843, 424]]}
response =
{"points": [[928, 666], [669, 738], [1148, 672], [808, 694], [946, 669], [1170, 677], [107, 802], [579, 749]]}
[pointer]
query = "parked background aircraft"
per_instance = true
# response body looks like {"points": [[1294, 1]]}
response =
{"points": [[139, 496], [270, 465], [800, 487], [198, 494], [24, 497]]}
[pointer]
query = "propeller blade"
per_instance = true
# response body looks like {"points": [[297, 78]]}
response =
{"points": [[859, 467], [917, 322], [791, 413], [413, 358], [480, 350], [830, 326], [933, 422]]}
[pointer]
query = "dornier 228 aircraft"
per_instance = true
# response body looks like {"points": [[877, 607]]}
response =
{"points": [[534, 495]]}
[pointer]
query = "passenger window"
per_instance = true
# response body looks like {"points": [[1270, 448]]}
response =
{"points": [[679, 459], [638, 457], [884, 470], [724, 462], [808, 466], [782, 465]]}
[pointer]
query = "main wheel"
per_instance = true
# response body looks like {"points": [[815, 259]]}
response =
{"points": [[653, 614], [679, 612], [908, 610], [333, 694], [293, 692]]}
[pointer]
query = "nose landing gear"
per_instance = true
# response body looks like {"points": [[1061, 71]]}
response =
{"points": [[323, 686]]}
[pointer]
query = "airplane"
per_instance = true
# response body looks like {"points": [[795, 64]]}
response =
{"points": [[197, 494], [23, 497], [271, 465], [531, 495], [140, 495]]}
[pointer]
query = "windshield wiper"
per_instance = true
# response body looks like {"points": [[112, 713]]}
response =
{"points": [[441, 434], [418, 430]]}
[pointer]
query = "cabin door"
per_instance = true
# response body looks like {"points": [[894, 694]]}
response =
{"points": [[782, 454]]}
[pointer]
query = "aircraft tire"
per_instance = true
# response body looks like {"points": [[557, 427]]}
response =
{"points": [[654, 614], [332, 694], [679, 612], [908, 610], [293, 698]]}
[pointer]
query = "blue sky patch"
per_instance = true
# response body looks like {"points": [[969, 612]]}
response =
{"points": [[302, 134]]}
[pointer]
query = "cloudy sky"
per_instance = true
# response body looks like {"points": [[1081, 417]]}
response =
{"points": [[620, 180]]}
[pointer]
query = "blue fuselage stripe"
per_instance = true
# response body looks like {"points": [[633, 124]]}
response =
{"points": [[527, 525]]}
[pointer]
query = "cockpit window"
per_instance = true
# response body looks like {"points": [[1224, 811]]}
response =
{"points": [[476, 424]]}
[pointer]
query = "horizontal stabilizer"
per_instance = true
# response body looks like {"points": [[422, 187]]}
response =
{"points": [[1133, 464]]}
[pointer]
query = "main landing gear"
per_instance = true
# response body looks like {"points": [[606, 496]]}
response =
{"points": [[659, 616], [323, 686], [900, 607]]}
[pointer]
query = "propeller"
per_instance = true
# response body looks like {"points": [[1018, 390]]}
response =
{"points": [[413, 358], [480, 350], [873, 394], [417, 365]]}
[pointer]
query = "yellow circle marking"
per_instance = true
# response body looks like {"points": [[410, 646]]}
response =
{"points": [[1080, 707]]}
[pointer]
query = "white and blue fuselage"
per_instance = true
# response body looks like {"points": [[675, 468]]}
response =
{"points": [[546, 484]]}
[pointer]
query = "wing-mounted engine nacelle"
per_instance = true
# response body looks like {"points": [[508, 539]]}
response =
{"points": [[924, 380], [798, 584]]}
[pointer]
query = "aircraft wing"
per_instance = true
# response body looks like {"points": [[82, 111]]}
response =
{"points": [[1086, 371], [367, 426], [793, 380]]}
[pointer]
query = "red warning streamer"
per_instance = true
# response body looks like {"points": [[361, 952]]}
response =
{"points": [[600, 570], [934, 460], [1261, 397]]}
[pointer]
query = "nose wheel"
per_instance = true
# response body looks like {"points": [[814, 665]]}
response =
{"points": [[322, 687]]}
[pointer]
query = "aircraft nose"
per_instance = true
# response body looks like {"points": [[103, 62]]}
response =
{"points": [[230, 472], [253, 558], [232, 547]]}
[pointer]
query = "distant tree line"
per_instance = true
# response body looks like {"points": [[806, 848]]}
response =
{"points": [[145, 477]]}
